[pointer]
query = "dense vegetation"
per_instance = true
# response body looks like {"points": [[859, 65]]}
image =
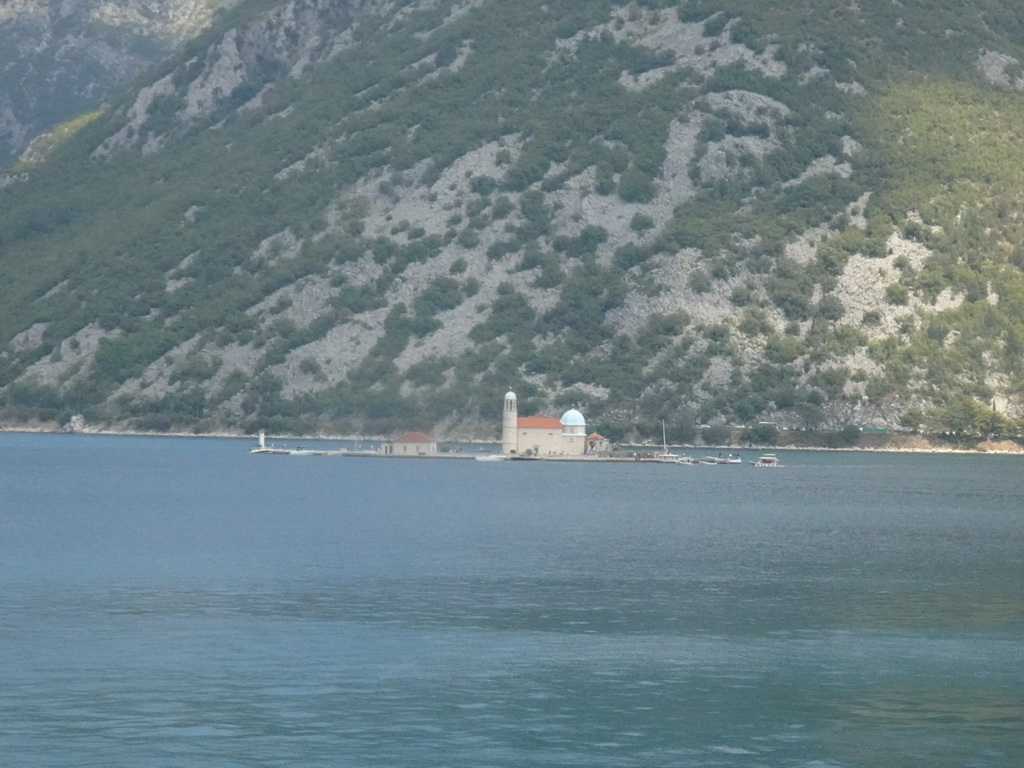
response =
{"points": [[467, 198]]}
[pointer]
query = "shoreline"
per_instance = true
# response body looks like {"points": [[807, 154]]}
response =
{"points": [[883, 444]]}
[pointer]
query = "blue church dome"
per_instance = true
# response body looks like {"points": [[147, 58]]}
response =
{"points": [[573, 418]]}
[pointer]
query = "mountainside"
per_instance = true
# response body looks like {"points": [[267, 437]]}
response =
{"points": [[373, 215], [59, 58]]}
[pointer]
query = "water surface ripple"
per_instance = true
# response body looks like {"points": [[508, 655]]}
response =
{"points": [[178, 602]]}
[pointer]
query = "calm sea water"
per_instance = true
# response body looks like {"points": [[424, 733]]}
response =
{"points": [[170, 602]]}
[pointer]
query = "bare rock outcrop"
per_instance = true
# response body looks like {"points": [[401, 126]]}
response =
{"points": [[60, 59]]}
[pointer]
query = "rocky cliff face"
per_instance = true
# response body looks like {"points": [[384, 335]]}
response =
{"points": [[59, 58], [376, 214]]}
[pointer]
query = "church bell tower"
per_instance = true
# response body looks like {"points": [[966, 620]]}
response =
{"points": [[509, 424]]}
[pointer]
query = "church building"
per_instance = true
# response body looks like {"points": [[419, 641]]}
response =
{"points": [[541, 435]]}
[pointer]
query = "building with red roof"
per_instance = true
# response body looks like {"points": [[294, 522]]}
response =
{"points": [[598, 444], [542, 435]]}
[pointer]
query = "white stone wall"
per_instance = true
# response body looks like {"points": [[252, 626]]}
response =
{"points": [[549, 442]]}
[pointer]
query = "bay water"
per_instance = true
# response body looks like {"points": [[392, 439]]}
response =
{"points": [[170, 602]]}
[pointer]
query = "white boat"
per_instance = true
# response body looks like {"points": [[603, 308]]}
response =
{"points": [[492, 457], [767, 460], [665, 457], [732, 458], [262, 447]]}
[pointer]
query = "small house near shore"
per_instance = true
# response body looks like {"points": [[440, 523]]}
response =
{"points": [[410, 444], [598, 445]]}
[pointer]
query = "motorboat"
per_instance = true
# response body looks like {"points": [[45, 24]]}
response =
{"points": [[732, 458], [664, 458], [491, 457], [262, 447], [767, 460]]}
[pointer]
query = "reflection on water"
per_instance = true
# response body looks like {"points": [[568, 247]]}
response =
{"points": [[985, 712], [948, 606]]}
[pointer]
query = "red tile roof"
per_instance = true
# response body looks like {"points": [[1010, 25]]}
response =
{"points": [[539, 422], [414, 437], [596, 436]]}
